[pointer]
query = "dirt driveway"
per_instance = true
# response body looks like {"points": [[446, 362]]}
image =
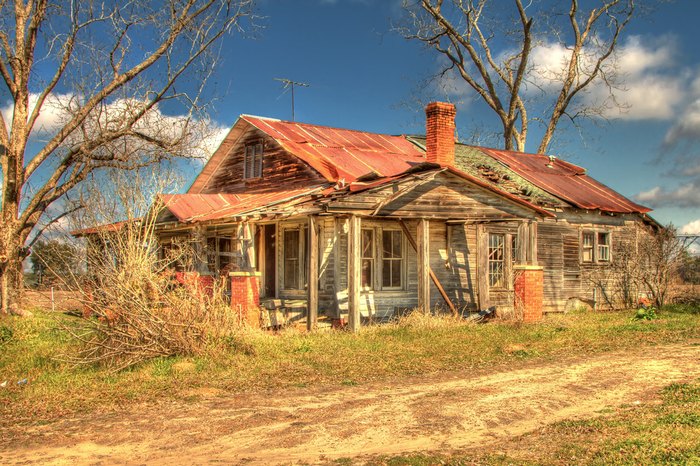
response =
{"points": [[430, 413]]}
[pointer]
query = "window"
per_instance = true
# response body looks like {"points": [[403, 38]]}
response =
{"points": [[220, 253], [595, 246], [497, 272], [392, 259], [367, 271], [603, 247], [253, 160], [587, 246], [291, 259], [294, 258]]}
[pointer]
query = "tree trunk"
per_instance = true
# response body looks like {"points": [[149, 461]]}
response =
{"points": [[11, 273]]}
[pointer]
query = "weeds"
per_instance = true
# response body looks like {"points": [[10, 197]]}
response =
{"points": [[244, 359]]}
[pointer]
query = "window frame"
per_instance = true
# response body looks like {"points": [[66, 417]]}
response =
{"points": [[503, 261], [215, 254], [596, 246], [402, 259], [254, 150], [301, 259], [371, 259]]}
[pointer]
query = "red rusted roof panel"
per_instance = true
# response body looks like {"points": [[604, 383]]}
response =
{"points": [[202, 207], [566, 181], [341, 153]]}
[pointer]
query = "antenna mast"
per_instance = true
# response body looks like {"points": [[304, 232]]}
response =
{"points": [[288, 83]]}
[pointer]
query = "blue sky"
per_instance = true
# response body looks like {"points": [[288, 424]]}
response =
{"points": [[364, 76]]}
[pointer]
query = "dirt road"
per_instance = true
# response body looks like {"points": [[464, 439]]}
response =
{"points": [[445, 412]]}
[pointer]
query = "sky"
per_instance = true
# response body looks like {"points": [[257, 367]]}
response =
{"points": [[363, 75]]}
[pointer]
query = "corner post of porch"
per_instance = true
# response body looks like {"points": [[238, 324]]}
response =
{"points": [[423, 233], [312, 290], [354, 278]]}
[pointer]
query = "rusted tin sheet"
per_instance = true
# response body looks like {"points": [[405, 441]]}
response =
{"points": [[190, 208], [566, 181], [341, 153]]}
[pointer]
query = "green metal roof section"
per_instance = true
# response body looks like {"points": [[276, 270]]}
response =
{"points": [[480, 165]]}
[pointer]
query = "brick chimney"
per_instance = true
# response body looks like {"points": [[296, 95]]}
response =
{"points": [[440, 133]]}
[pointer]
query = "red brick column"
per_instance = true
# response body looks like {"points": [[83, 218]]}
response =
{"points": [[245, 296], [196, 283], [529, 291]]}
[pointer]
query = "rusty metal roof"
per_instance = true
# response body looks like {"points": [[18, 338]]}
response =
{"points": [[342, 153], [566, 181], [189, 208]]}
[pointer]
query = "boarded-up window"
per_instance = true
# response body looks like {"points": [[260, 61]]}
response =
{"points": [[252, 161], [497, 270], [368, 259], [392, 259]]}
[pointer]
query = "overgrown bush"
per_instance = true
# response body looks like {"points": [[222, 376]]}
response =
{"points": [[137, 307]]}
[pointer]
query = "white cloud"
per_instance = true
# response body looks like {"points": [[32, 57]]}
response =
{"points": [[646, 89], [203, 136], [52, 114], [687, 127], [686, 195], [691, 228]]}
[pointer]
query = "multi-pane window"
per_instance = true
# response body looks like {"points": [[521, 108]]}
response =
{"points": [[392, 259], [587, 239], [253, 160], [595, 246], [292, 259], [603, 247], [497, 271], [367, 270]]}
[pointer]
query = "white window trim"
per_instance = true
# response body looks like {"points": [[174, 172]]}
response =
{"points": [[595, 255], [379, 238]]}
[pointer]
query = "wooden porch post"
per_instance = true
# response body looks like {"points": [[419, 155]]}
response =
{"points": [[482, 268], [312, 290], [354, 261], [423, 234]]}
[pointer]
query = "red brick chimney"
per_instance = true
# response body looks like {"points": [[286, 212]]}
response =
{"points": [[440, 133]]}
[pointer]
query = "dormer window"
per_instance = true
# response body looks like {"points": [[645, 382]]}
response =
{"points": [[252, 160]]}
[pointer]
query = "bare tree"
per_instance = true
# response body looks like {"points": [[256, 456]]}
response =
{"points": [[490, 45], [87, 82]]}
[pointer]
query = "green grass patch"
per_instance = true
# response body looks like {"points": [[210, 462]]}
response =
{"points": [[33, 349]]}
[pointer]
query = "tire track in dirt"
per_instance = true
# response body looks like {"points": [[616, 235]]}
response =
{"points": [[441, 412]]}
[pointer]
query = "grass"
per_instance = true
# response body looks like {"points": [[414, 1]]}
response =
{"points": [[666, 432], [32, 349]]}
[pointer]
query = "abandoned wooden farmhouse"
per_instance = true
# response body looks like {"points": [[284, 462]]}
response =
{"points": [[319, 223]]}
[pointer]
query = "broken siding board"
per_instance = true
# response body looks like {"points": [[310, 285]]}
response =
{"points": [[279, 168]]}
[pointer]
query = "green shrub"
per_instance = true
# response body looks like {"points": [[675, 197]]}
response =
{"points": [[645, 314]]}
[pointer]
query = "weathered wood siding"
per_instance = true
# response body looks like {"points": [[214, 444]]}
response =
{"points": [[279, 169], [566, 277], [444, 197], [455, 267]]}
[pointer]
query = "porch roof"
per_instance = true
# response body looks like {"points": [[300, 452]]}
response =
{"points": [[190, 208]]}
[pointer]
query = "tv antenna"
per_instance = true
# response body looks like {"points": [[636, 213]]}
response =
{"points": [[289, 84]]}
